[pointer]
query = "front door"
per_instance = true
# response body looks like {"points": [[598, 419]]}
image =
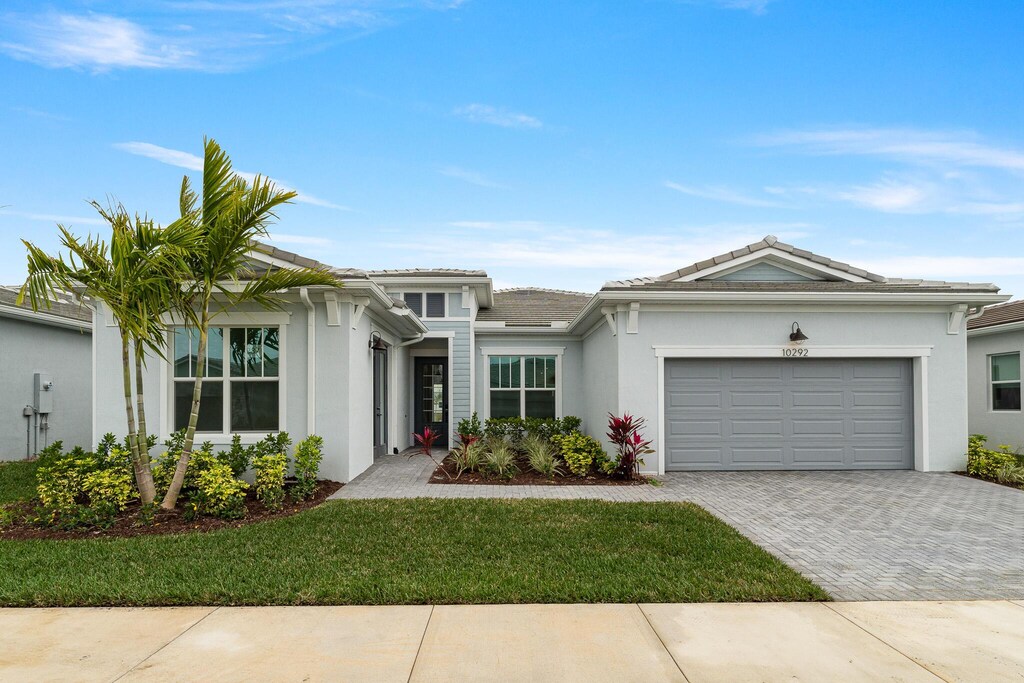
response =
{"points": [[380, 403], [431, 392]]}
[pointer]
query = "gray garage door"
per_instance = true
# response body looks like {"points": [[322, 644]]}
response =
{"points": [[761, 414]]}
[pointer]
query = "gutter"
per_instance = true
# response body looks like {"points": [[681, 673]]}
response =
{"points": [[310, 361]]}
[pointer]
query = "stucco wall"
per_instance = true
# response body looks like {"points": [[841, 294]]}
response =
{"points": [[947, 385], [601, 380], [64, 353], [1001, 427]]}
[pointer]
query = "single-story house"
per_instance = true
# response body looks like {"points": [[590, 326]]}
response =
{"points": [[767, 357], [46, 373], [995, 341]]}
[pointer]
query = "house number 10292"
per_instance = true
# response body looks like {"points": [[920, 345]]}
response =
{"points": [[795, 353]]}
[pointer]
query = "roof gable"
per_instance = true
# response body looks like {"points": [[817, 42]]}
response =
{"points": [[778, 255], [764, 271]]}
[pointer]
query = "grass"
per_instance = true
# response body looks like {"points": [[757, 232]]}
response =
{"points": [[413, 552], [17, 481]]}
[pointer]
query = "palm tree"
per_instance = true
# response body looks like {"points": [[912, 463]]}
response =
{"points": [[135, 278], [232, 217]]}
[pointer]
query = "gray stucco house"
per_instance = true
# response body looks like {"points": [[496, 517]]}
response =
{"points": [[767, 357], [995, 341], [45, 376]]}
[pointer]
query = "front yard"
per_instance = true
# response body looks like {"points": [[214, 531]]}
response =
{"points": [[414, 552]]}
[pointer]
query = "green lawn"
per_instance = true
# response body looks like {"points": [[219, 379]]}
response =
{"points": [[413, 552], [17, 481]]}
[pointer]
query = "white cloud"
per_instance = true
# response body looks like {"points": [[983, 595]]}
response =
{"points": [[719, 193], [906, 145], [303, 240], [94, 41], [887, 195], [66, 221], [191, 162], [754, 6], [946, 267], [471, 177], [496, 116]]}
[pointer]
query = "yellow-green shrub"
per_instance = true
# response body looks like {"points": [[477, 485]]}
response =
{"points": [[986, 463], [308, 455], [270, 471], [579, 451], [217, 493]]}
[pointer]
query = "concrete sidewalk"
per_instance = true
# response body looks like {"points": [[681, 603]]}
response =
{"points": [[845, 641]]}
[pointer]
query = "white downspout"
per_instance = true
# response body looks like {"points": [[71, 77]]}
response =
{"points": [[978, 310], [310, 362], [417, 338]]}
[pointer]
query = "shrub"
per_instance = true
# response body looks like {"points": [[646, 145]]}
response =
{"points": [[579, 451], [500, 459], [217, 492], [1010, 474], [106, 444], [540, 453], [308, 455], [470, 427], [508, 429], [52, 453], [624, 432], [986, 463], [549, 427], [468, 456], [269, 482], [238, 457], [426, 440], [82, 489]]}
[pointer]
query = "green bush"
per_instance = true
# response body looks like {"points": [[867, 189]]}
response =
{"points": [[238, 457], [579, 451], [500, 459], [986, 463], [83, 489], [308, 455], [202, 458], [52, 453], [269, 483], [470, 427], [508, 429], [514, 429], [217, 492], [540, 453], [272, 444]]}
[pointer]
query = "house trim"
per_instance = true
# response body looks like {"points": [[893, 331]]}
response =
{"points": [[774, 257], [557, 351]]}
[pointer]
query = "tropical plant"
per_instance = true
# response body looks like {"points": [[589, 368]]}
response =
{"points": [[269, 480], [470, 426], [467, 456], [426, 440], [625, 433], [230, 215], [579, 451], [308, 455], [499, 459], [137, 279], [217, 493], [987, 463], [540, 453]]}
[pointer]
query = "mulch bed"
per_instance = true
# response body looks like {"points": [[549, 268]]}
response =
{"points": [[172, 522], [445, 474], [992, 481]]}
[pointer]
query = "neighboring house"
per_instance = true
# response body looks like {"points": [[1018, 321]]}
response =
{"points": [[45, 376], [703, 353], [995, 341]]}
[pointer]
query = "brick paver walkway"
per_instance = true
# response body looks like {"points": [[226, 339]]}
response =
{"points": [[890, 535]]}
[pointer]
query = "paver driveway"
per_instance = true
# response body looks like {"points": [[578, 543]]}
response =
{"points": [[892, 535]]}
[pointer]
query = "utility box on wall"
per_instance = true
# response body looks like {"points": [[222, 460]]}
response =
{"points": [[42, 393]]}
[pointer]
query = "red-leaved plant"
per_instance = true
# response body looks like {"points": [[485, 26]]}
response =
{"points": [[426, 443], [624, 432]]}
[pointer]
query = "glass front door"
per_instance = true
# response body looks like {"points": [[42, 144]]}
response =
{"points": [[380, 403], [431, 396]]}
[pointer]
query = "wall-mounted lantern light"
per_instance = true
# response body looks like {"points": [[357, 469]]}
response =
{"points": [[376, 343], [797, 335]]}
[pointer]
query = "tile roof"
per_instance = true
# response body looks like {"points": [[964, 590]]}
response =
{"points": [[427, 272], [303, 262], [667, 282], [534, 306], [63, 307], [999, 314]]}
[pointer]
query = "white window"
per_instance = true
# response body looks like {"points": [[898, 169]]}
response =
{"points": [[241, 395], [429, 305], [1005, 380], [523, 386]]}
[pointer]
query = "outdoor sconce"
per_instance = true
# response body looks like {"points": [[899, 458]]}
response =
{"points": [[376, 343], [797, 334]]}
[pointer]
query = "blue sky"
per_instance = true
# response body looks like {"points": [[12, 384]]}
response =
{"points": [[556, 144]]}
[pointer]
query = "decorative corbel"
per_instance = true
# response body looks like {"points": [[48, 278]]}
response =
{"points": [[609, 317], [359, 304], [956, 318], [333, 310], [633, 321]]}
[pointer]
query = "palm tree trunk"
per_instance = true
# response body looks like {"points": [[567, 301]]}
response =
{"points": [[133, 437], [171, 497], [143, 471]]}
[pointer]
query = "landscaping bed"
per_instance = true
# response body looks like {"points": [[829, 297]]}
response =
{"points": [[127, 524], [448, 473], [419, 551], [1004, 465]]}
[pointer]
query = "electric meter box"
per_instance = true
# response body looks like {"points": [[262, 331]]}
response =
{"points": [[42, 393]]}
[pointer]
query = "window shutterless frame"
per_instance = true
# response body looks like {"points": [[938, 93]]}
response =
{"points": [[1004, 382], [524, 386], [242, 384], [427, 305]]}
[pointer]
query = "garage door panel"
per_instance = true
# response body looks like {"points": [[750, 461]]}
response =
{"points": [[756, 399], [789, 414]]}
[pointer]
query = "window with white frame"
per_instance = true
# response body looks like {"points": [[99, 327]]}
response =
{"points": [[1005, 379], [241, 395], [523, 386]]}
